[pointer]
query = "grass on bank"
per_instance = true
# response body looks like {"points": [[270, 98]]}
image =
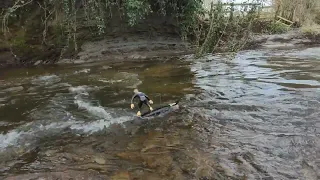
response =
{"points": [[311, 29], [305, 13]]}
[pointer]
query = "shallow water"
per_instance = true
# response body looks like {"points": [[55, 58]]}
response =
{"points": [[252, 116]]}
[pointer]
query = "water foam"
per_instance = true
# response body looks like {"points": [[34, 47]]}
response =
{"points": [[30, 132], [105, 114], [99, 125], [9, 139], [82, 71], [110, 81], [81, 89], [48, 122], [94, 110], [38, 130], [46, 80], [83, 104]]}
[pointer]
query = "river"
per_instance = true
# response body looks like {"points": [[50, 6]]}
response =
{"points": [[252, 116]]}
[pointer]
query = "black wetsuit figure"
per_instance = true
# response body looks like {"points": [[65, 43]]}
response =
{"points": [[143, 99]]}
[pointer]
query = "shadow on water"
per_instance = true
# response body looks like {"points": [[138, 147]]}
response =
{"points": [[255, 116]]}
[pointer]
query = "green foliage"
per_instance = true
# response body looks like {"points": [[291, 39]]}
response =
{"points": [[60, 23], [311, 30], [19, 40], [136, 10], [19, 44], [62, 20], [229, 28], [99, 12], [317, 17], [277, 28], [188, 15], [184, 11]]}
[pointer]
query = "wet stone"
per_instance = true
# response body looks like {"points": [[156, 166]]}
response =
{"points": [[50, 152], [75, 158], [106, 67], [37, 63], [99, 160]]}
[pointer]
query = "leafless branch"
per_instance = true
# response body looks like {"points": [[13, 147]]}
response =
{"points": [[45, 21]]}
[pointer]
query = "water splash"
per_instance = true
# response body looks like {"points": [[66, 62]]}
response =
{"points": [[46, 80], [94, 110], [85, 71]]}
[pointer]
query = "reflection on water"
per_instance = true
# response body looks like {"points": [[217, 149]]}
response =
{"points": [[255, 116]]}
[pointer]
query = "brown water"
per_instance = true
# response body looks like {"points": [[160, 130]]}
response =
{"points": [[254, 116]]}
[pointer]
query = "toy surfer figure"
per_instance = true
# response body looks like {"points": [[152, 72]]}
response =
{"points": [[143, 99]]}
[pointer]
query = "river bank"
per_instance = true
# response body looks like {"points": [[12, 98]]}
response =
{"points": [[137, 48], [291, 39], [63, 32], [142, 47]]}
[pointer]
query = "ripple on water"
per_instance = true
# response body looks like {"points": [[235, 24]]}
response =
{"points": [[269, 113], [54, 119], [304, 54], [82, 89], [13, 89], [244, 117]]}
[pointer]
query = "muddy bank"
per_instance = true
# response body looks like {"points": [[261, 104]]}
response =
{"points": [[143, 48], [292, 39], [128, 47], [155, 35], [131, 48]]}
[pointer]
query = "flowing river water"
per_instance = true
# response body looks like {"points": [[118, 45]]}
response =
{"points": [[252, 116]]}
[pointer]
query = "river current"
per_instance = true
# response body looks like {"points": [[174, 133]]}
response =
{"points": [[255, 115]]}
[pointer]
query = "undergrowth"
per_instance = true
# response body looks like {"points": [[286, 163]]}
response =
{"points": [[58, 24], [61, 26], [312, 29], [229, 28], [277, 28]]}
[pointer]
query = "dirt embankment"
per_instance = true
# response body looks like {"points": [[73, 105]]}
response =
{"points": [[153, 37], [292, 39], [137, 47], [131, 47]]}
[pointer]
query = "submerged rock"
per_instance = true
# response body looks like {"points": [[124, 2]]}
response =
{"points": [[50, 152], [99, 160], [106, 67], [128, 80], [37, 63]]}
